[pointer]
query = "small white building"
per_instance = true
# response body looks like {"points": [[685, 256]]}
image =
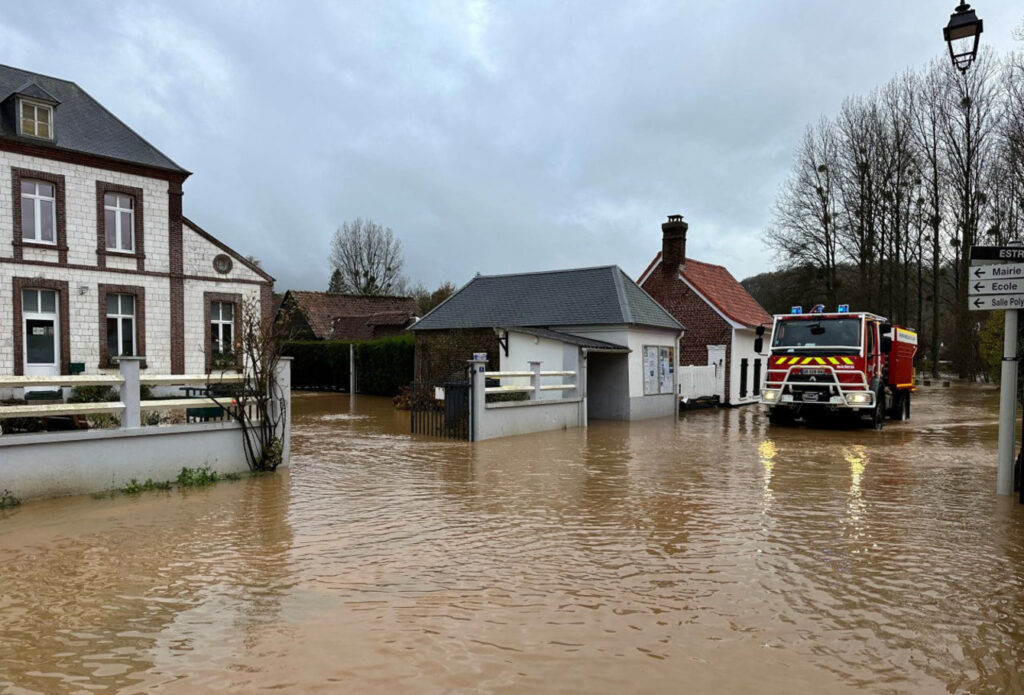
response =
{"points": [[96, 257], [595, 322]]}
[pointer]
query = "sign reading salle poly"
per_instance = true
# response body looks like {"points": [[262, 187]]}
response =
{"points": [[995, 302], [1006, 254]]}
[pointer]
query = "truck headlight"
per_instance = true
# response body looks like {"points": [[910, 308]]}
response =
{"points": [[769, 395], [858, 398]]}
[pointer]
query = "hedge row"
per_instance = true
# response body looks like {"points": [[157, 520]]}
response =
{"points": [[383, 366]]}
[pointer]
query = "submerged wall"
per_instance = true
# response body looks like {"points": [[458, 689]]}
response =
{"points": [[54, 464]]}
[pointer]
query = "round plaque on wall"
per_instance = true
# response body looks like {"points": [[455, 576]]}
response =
{"points": [[222, 263]]}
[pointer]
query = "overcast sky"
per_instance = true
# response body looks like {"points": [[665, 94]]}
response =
{"points": [[493, 137]]}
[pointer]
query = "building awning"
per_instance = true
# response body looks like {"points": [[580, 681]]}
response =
{"points": [[590, 344]]}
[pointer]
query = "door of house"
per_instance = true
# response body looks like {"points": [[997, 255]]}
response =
{"points": [[716, 357], [41, 332]]}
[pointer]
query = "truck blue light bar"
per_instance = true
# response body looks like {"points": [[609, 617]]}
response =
{"points": [[796, 310], [844, 308]]}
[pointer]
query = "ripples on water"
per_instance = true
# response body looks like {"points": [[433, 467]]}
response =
{"points": [[709, 554]]}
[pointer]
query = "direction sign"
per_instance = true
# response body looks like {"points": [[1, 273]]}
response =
{"points": [[999, 270], [997, 286], [1006, 254], [996, 301]]}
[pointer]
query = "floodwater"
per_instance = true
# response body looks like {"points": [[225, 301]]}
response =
{"points": [[711, 554]]}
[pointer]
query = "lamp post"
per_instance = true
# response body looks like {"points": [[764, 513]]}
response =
{"points": [[962, 34]]}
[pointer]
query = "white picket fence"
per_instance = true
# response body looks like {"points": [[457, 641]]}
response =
{"points": [[697, 382]]}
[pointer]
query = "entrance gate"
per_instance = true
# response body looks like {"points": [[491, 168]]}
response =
{"points": [[440, 409]]}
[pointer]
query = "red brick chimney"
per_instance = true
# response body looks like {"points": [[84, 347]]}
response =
{"points": [[673, 245]]}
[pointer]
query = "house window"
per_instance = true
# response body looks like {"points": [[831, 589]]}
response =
{"points": [[38, 212], [119, 221], [222, 330], [120, 325], [36, 120]]}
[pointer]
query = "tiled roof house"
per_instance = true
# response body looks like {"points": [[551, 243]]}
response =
{"points": [[330, 316], [720, 315]]}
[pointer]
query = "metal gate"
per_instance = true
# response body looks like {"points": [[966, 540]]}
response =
{"points": [[440, 409]]}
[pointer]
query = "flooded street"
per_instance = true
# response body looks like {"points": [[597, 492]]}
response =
{"points": [[712, 554]]}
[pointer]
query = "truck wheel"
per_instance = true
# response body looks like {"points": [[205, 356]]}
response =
{"points": [[878, 416]]}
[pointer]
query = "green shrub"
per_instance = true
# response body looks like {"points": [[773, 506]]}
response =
{"points": [[134, 486], [197, 477], [383, 366], [93, 394]]}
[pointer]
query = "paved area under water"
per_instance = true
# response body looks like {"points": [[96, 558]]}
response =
{"points": [[712, 554]]}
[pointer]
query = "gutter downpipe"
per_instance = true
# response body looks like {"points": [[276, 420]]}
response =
{"points": [[581, 375]]}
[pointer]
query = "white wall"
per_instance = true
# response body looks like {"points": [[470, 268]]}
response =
{"points": [[743, 348], [198, 254], [635, 339], [554, 356], [76, 463]]}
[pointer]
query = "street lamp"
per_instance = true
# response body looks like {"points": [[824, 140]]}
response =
{"points": [[962, 34]]}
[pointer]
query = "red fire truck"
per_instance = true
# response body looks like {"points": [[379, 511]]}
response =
{"points": [[833, 363]]}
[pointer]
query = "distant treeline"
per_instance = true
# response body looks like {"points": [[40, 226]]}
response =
{"points": [[885, 200]]}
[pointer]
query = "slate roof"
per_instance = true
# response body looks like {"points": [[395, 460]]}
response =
{"points": [[80, 123], [724, 292], [337, 315], [589, 343], [578, 297]]}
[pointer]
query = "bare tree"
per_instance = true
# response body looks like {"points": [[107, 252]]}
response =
{"points": [[257, 404], [368, 257], [972, 112], [803, 230], [928, 138]]}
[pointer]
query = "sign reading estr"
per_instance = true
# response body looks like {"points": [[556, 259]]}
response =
{"points": [[1007, 254]]}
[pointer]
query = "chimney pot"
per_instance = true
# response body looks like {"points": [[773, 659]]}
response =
{"points": [[673, 245]]}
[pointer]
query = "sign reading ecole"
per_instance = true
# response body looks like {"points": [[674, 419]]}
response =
{"points": [[997, 286]]}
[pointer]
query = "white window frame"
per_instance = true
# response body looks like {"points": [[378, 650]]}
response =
{"points": [[120, 236], [37, 107], [36, 199], [37, 314], [119, 315], [216, 314]]}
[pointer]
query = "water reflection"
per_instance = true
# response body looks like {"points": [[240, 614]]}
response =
{"points": [[712, 551]]}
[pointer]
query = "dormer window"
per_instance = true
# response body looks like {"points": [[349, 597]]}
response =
{"points": [[36, 119]]}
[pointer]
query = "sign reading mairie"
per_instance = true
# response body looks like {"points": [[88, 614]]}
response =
{"points": [[997, 271]]}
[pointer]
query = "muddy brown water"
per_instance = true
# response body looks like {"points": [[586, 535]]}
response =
{"points": [[712, 554]]}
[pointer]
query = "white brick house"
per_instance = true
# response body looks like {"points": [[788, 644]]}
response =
{"points": [[96, 258]]}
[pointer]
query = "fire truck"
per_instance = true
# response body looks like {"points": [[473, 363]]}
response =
{"points": [[838, 363]]}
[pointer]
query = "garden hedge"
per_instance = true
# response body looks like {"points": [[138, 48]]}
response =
{"points": [[383, 366]]}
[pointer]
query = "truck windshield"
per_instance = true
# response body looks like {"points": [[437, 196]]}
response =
{"points": [[817, 334]]}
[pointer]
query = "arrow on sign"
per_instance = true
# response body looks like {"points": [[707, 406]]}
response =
{"points": [[978, 303], [978, 272], [978, 287]]}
